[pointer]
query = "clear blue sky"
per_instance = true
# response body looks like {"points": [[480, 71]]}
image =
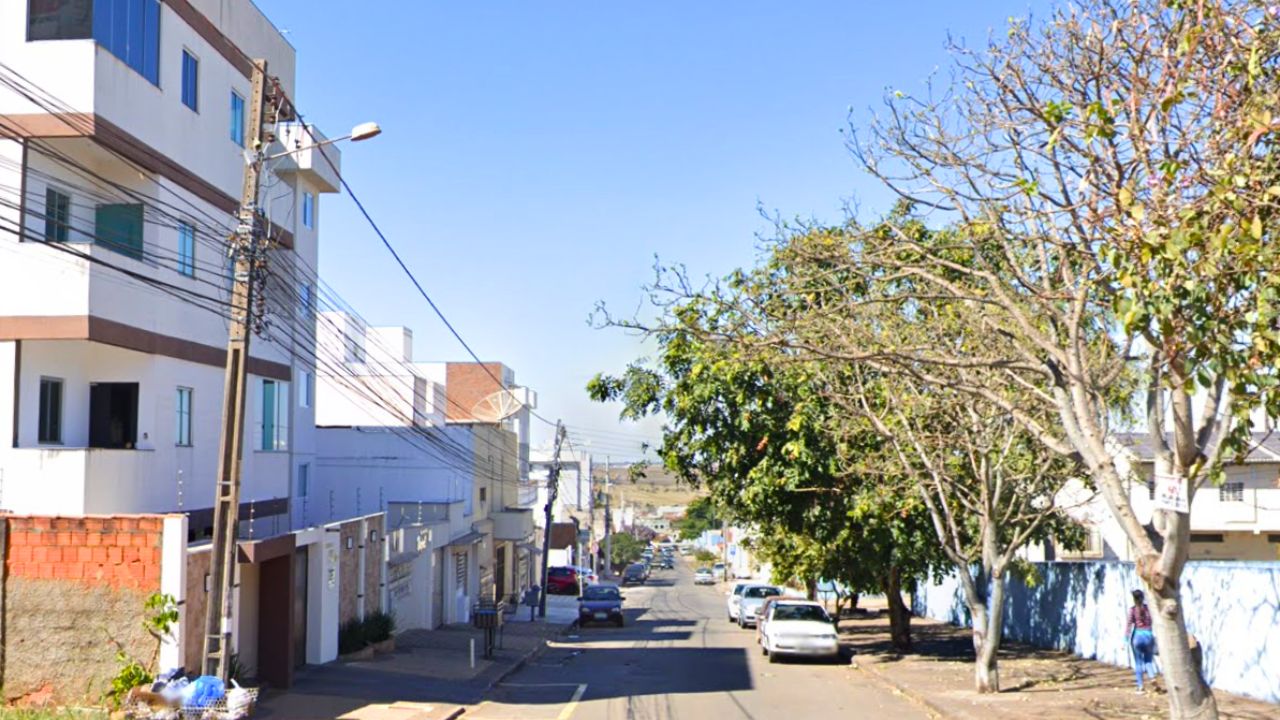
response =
{"points": [[537, 155]]}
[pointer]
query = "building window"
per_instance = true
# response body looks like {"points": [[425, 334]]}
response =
{"points": [[309, 209], [59, 19], [50, 430], [57, 215], [130, 30], [274, 428], [184, 417], [186, 249], [306, 387], [483, 494], [119, 228], [306, 300], [1231, 492], [304, 480], [113, 415], [1273, 538], [1207, 537], [190, 81], [237, 118]]}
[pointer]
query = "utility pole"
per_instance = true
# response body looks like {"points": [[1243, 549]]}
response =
{"points": [[608, 523], [553, 489], [249, 254]]}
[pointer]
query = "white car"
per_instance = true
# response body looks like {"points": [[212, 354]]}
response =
{"points": [[719, 571], [735, 597], [800, 628], [753, 597], [703, 577]]}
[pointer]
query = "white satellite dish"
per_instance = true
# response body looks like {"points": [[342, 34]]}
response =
{"points": [[497, 407]]}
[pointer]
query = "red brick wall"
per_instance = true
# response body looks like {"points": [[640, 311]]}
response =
{"points": [[466, 384], [74, 594], [121, 552]]}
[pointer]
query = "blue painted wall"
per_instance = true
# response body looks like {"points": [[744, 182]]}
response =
{"points": [[1233, 609]]}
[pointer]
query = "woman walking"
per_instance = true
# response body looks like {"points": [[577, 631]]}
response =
{"points": [[1138, 629]]}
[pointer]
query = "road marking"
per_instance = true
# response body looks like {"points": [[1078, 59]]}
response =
{"points": [[564, 684], [567, 712]]}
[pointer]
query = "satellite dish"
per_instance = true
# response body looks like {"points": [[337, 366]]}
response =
{"points": [[497, 407]]}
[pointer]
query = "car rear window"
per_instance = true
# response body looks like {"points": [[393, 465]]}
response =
{"points": [[559, 572], [800, 612], [761, 592]]}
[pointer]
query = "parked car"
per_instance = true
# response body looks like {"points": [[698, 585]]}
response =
{"points": [[600, 603], [753, 597], [703, 576], [762, 617], [719, 571], [668, 563], [635, 573], [589, 576], [562, 580], [799, 628], [735, 597]]}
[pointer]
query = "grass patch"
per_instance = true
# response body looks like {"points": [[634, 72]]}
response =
{"points": [[53, 714]]}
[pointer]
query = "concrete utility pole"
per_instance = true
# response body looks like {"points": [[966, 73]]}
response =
{"points": [[553, 480], [608, 523], [249, 254]]}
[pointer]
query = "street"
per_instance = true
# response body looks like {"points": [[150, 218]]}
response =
{"points": [[680, 657]]}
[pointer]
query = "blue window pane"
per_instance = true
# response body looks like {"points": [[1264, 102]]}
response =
{"points": [[237, 119], [102, 23], [151, 41], [119, 44], [186, 249], [190, 81], [135, 43]]}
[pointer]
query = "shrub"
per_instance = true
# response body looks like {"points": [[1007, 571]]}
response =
{"points": [[351, 637], [378, 626]]}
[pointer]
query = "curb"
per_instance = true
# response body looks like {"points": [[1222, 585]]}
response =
{"points": [[518, 665], [906, 692]]}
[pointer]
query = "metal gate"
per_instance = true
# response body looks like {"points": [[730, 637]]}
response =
{"points": [[300, 607]]}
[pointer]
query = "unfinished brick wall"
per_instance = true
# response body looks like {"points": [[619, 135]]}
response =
{"points": [[466, 385], [73, 597]]}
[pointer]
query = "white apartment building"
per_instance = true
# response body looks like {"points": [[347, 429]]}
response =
{"points": [[1238, 520], [574, 489], [410, 439], [122, 132]]}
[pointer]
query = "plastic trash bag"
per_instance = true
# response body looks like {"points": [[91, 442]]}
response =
{"points": [[173, 691], [203, 692]]}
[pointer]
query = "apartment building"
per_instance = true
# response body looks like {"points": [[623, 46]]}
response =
{"points": [[1236, 520], [122, 133], [431, 445]]}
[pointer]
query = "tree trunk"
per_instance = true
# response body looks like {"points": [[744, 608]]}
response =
{"points": [[986, 671], [1189, 697], [899, 614], [853, 603], [811, 588]]}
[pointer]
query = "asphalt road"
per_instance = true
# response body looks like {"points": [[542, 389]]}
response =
{"points": [[680, 657]]}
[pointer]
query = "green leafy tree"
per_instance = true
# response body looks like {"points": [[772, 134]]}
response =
{"points": [[625, 549], [699, 517]]}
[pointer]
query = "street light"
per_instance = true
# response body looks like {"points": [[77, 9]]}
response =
{"points": [[360, 132]]}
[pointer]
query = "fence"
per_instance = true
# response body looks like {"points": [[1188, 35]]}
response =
{"points": [[1233, 609]]}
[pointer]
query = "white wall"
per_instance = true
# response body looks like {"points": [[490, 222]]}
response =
{"points": [[159, 475]]}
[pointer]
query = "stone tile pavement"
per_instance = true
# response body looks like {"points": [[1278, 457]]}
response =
{"points": [[428, 677]]}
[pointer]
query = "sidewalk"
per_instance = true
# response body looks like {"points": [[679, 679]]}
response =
{"points": [[428, 677], [1048, 684]]}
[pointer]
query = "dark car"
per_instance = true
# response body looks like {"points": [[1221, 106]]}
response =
{"points": [[600, 603], [668, 563], [562, 580], [635, 573]]}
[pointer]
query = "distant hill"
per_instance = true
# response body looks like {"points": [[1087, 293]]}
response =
{"points": [[657, 487]]}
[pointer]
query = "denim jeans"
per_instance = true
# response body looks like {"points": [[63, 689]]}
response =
{"points": [[1144, 645]]}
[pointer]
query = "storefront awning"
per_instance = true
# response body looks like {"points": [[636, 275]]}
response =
{"points": [[467, 540]]}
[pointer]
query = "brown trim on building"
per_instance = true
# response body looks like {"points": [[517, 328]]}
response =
{"points": [[212, 35], [256, 551], [117, 140], [110, 332]]}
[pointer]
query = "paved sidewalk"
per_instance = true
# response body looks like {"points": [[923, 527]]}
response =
{"points": [[1048, 685], [428, 677]]}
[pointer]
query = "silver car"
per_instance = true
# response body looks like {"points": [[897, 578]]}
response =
{"points": [[753, 597]]}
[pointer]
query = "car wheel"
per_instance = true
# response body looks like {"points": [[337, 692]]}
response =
{"points": [[773, 658], [764, 650], [619, 622], [740, 623]]}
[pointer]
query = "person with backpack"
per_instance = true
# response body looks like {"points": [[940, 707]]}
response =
{"points": [[1137, 629]]}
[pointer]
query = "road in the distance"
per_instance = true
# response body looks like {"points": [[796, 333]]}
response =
{"points": [[680, 658]]}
